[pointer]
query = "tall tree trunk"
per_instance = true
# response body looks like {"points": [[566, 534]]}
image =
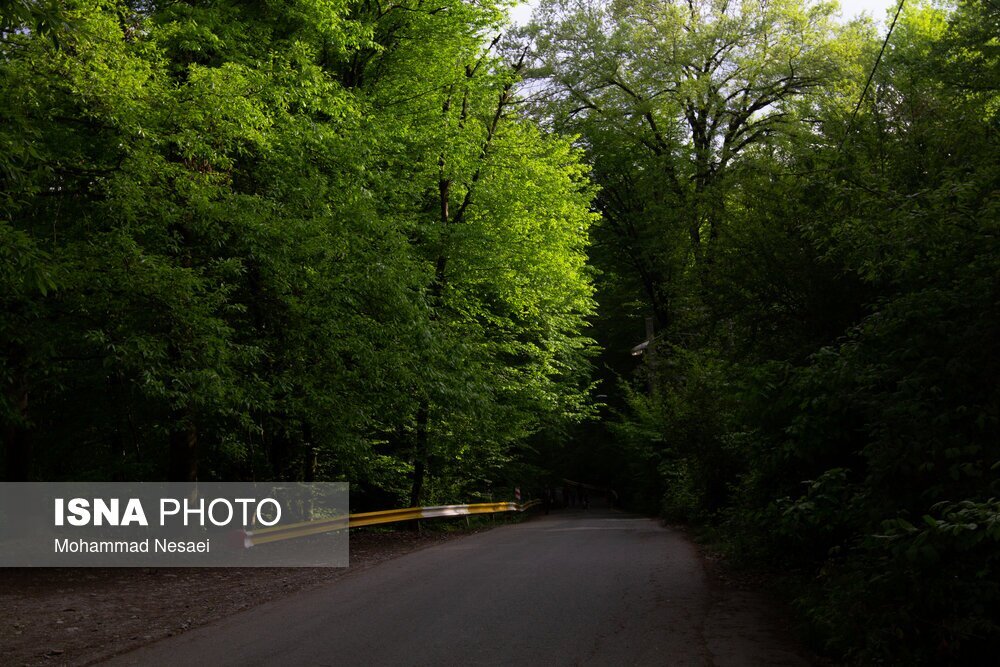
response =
{"points": [[183, 464], [421, 452], [448, 218], [16, 436]]}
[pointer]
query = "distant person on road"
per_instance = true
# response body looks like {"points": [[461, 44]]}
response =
{"points": [[584, 499]]}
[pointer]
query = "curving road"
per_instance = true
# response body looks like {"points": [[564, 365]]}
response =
{"points": [[572, 588]]}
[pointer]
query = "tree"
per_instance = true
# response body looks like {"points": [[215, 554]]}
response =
{"points": [[668, 97], [498, 214], [287, 242]]}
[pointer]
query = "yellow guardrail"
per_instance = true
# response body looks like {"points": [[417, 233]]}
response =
{"points": [[305, 528]]}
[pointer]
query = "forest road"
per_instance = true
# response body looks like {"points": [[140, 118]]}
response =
{"points": [[576, 587]]}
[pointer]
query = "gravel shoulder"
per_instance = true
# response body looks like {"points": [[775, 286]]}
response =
{"points": [[81, 616]]}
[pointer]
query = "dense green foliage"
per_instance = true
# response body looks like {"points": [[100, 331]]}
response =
{"points": [[282, 240], [340, 239], [825, 286]]}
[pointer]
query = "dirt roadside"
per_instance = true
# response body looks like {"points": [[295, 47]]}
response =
{"points": [[80, 616]]}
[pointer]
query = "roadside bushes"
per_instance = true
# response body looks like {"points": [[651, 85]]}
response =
{"points": [[848, 360]]}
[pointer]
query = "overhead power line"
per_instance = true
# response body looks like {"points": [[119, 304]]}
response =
{"points": [[871, 75]]}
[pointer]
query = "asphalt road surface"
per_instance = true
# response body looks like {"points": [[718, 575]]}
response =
{"points": [[572, 588]]}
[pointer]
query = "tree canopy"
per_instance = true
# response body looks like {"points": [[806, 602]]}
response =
{"points": [[736, 259], [283, 240], [816, 252]]}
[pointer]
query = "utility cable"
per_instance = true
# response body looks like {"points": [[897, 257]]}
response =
{"points": [[871, 76]]}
